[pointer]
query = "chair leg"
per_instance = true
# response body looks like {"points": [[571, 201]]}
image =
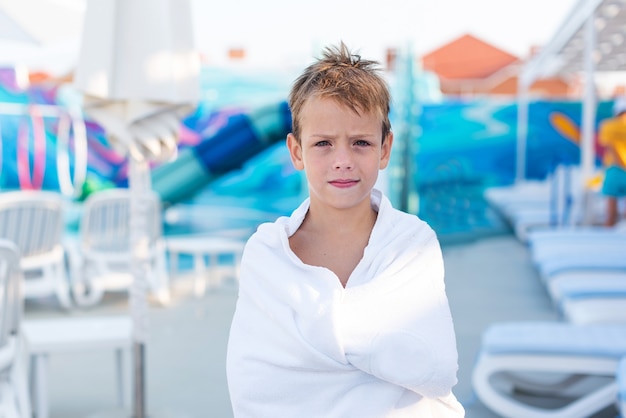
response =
{"points": [[163, 297], [87, 294], [160, 283], [20, 379], [40, 385], [8, 404], [215, 278], [200, 278], [162, 294], [62, 287], [119, 360]]}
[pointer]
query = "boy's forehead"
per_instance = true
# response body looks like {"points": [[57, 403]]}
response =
{"points": [[327, 113], [320, 102]]}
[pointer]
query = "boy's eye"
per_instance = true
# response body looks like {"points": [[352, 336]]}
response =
{"points": [[362, 143], [322, 143]]}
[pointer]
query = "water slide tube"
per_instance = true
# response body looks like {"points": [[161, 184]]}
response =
{"points": [[242, 137]]}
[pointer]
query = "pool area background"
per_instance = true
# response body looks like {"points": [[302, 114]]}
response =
{"points": [[456, 148]]}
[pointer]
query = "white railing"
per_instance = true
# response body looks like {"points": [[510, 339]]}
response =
{"points": [[69, 120]]}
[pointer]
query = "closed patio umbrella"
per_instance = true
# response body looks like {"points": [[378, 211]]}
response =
{"points": [[138, 72]]}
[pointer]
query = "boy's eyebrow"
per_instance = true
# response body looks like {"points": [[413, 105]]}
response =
{"points": [[363, 135], [319, 135], [351, 136]]}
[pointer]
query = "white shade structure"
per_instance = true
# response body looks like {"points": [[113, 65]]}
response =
{"points": [[139, 74], [139, 50], [592, 38], [137, 61]]}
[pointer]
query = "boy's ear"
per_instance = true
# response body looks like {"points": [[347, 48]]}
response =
{"points": [[385, 154], [295, 152]]}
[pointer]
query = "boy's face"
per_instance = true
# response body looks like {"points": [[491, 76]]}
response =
{"points": [[340, 151]]}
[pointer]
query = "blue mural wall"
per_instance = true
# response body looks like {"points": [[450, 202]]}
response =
{"points": [[465, 146]]}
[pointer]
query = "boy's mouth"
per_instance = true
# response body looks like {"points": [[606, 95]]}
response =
{"points": [[342, 183]]}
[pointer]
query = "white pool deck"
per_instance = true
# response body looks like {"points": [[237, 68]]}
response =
{"points": [[487, 281]]}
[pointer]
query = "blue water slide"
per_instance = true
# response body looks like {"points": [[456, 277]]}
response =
{"points": [[243, 136]]}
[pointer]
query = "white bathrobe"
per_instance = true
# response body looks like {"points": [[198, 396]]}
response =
{"points": [[303, 346]]}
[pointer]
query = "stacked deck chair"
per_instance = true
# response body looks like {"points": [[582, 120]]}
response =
{"points": [[563, 369], [550, 369], [584, 272], [586, 297], [521, 196], [554, 202]]}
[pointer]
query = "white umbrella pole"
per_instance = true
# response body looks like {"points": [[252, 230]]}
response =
{"points": [[139, 185], [587, 151], [522, 132]]}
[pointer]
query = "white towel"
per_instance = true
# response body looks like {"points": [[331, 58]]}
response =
{"points": [[303, 346]]}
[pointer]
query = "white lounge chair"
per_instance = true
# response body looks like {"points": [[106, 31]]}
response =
{"points": [[559, 245], [580, 282], [586, 298], [519, 196], [526, 221], [34, 221], [605, 308], [553, 202], [571, 249], [14, 399], [549, 369], [588, 295], [105, 249], [588, 261]]}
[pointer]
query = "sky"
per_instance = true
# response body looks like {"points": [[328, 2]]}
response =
{"points": [[290, 33]]}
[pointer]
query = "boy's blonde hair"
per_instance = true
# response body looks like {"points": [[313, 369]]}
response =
{"points": [[345, 77]]}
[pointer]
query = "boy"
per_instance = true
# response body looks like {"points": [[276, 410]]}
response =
{"points": [[342, 310]]}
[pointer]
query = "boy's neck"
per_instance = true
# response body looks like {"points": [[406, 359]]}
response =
{"points": [[340, 221]]}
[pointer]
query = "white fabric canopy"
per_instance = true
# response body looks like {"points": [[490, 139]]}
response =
{"points": [[592, 38], [564, 53]]}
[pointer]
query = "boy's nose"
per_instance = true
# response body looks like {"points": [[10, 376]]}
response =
{"points": [[343, 159]]}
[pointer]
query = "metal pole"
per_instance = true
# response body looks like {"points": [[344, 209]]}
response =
{"points": [[522, 133], [587, 152], [408, 194], [139, 185], [139, 398]]}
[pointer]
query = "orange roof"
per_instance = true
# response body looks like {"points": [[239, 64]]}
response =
{"points": [[467, 58]]}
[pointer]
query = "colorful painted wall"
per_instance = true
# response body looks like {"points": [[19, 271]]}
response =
{"points": [[465, 146]]}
